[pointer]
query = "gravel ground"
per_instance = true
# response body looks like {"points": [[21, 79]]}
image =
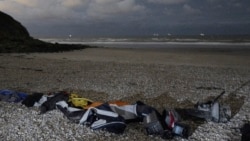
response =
{"points": [[163, 79]]}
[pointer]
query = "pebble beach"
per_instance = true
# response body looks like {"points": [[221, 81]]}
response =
{"points": [[162, 78]]}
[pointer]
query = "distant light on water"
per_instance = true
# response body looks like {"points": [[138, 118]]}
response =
{"points": [[169, 41]]}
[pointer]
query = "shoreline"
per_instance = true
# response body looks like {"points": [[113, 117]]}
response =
{"points": [[179, 56], [179, 45]]}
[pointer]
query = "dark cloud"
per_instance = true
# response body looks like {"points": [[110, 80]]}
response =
{"points": [[130, 17]]}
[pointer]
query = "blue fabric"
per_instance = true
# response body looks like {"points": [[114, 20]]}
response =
{"points": [[12, 96], [22, 95], [6, 92]]}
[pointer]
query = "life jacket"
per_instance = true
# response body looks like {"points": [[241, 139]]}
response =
{"points": [[103, 117], [99, 116]]}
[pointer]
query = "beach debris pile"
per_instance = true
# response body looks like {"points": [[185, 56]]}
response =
{"points": [[113, 116]]}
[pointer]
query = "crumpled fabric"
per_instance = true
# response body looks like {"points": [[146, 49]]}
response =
{"points": [[50, 104], [110, 116], [12, 96], [32, 99]]}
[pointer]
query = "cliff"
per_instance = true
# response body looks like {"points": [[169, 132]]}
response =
{"points": [[11, 29], [14, 37]]}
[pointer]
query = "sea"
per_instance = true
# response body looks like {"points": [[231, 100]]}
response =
{"points": [[158, 42]]}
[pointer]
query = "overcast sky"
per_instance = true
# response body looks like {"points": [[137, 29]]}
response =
{"points": [[45, 18]]}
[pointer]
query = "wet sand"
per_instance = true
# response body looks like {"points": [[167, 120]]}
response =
{"points": [[180, 56]]}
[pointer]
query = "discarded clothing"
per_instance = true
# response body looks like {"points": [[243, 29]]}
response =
{"points": [[50, 104], [113, 116], [211, 110], [12, 96], [32, 99]]}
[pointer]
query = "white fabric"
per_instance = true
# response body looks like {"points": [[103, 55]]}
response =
{"points": [[85, 116], [98, 123], [98, 111], [41, 101], [106, 113], [64, 104], [126, 111]]}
